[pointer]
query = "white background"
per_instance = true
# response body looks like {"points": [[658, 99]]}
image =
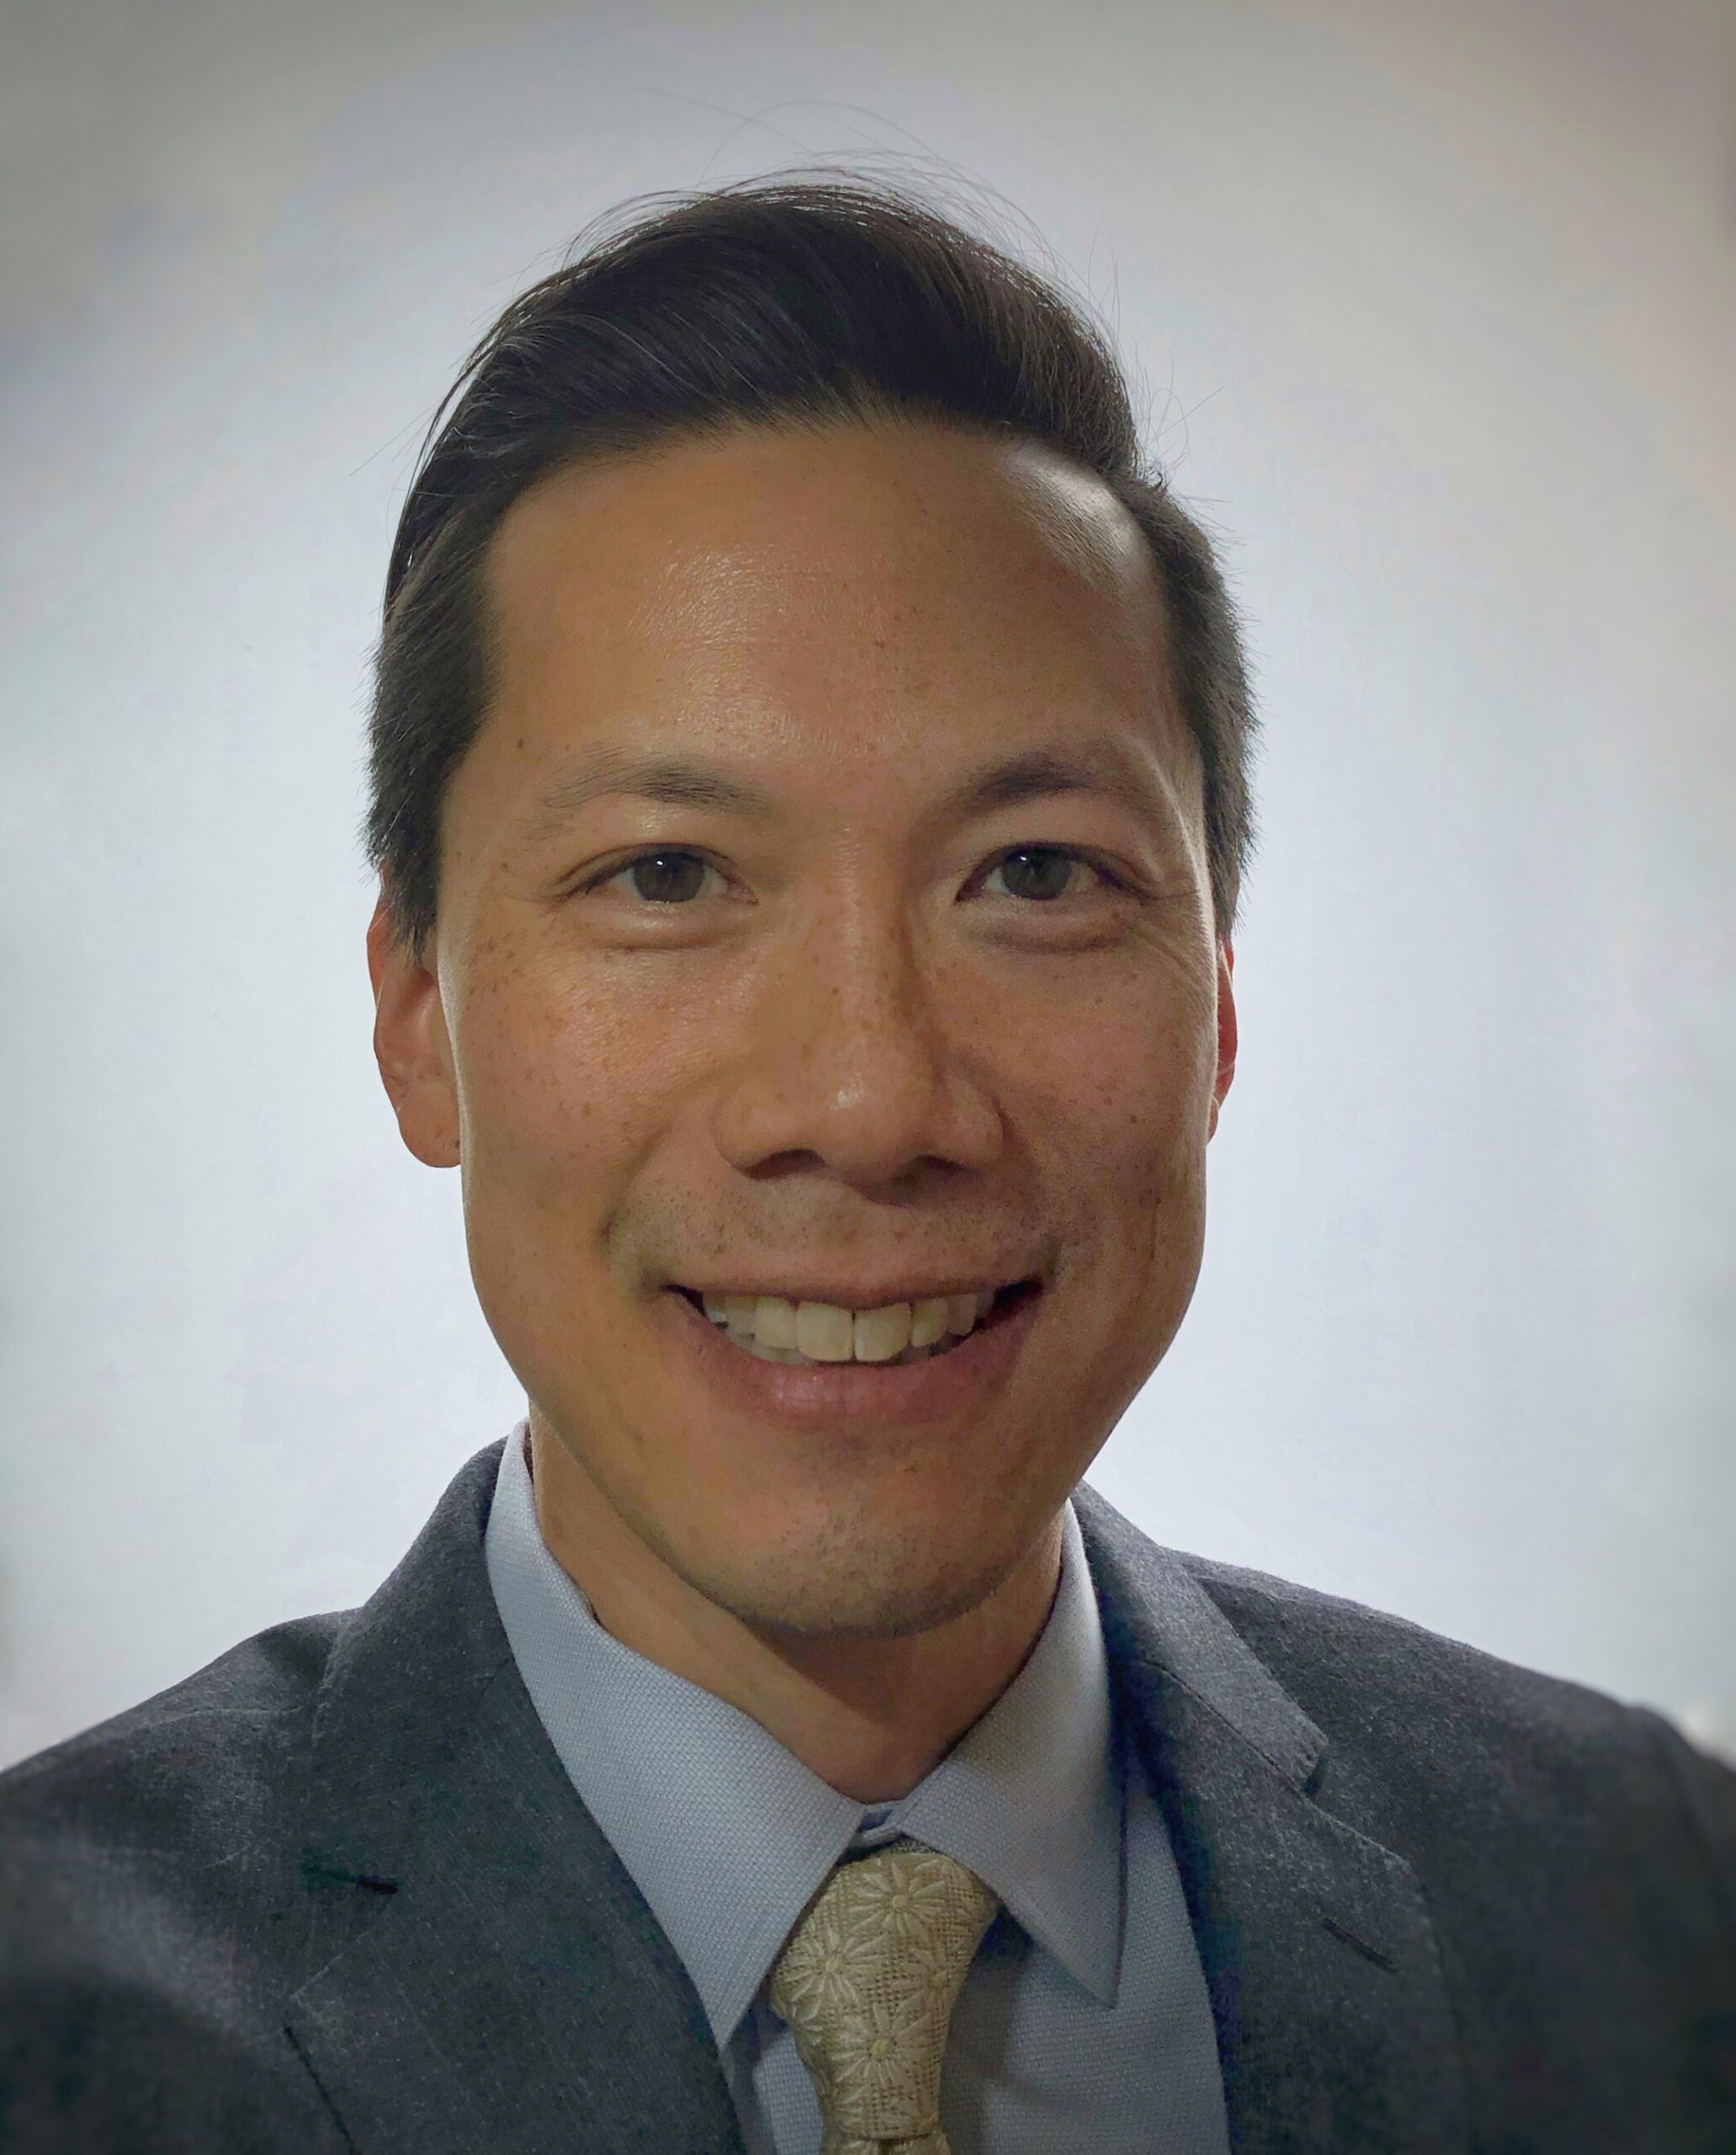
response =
{"points": [[1434, 308]]}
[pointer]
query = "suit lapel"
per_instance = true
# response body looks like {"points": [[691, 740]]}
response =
{"points": [[1334, 2026], [482, 1973], [483, 1978]]}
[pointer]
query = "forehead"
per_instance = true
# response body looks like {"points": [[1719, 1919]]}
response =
{"points": [[870, 581]]}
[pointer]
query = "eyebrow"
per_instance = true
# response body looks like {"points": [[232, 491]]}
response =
{"points": [[1100, 766], [678, 781]]}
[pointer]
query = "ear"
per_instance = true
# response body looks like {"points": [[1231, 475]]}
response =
{"points": [[411, 1046], [1225, 1034]]}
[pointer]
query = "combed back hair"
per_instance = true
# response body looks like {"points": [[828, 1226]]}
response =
{"points": [[791, 301]]}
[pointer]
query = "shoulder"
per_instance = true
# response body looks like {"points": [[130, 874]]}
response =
{"points": [[177, 1775], [1368, 1671], [149, 1877], [1441, 1751], [127, 1850], [194, 1784], [170, 1879], [1369, 1677], [1440, 1748]]}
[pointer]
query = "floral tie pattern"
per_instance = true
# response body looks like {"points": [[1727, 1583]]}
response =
{"points": [[867, 1983]]}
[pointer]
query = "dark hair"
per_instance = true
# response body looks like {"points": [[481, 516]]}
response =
{"points": [[781, 301]]}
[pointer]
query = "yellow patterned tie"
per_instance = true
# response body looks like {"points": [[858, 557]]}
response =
{"points": [[867, 1982]]}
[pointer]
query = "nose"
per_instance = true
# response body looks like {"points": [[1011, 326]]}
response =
{"points": [[857, 1064]]}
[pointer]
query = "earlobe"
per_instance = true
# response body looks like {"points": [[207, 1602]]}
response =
{"points": [[411, 1046]]}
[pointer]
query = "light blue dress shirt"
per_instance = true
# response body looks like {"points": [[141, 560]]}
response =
{"points": [[1084, 2022]]}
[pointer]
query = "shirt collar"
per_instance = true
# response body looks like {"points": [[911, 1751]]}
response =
{"points": [[728, 1836]]}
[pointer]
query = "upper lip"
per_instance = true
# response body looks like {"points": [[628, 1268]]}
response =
{"points": [[864, 1295]]}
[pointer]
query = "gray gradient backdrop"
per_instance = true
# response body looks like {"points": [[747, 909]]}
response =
{"points": [[1433, 307]]}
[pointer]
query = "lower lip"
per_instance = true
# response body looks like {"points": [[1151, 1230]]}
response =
{"points": [[942, 1386]]}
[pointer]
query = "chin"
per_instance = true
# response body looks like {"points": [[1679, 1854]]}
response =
{"points": [[848, 1577]]}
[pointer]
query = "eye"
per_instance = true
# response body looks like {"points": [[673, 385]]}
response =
{"points": [[1042, 873], [670, 876]]}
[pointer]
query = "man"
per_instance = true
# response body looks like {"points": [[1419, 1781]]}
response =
{"points": [[810, 799]]}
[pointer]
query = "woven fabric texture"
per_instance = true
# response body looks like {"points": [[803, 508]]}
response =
{"points": [[867, 1984]]}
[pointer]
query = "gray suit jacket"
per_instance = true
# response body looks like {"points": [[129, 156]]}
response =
{"points": [[335, 1893]]}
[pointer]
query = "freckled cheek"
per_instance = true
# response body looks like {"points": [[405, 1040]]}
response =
{"points": [[555, 1087], [1125, 1153], [1128, 1098], [1139, 1172]]}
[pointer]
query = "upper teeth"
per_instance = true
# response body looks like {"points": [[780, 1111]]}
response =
{"points": [[825, 1332]]}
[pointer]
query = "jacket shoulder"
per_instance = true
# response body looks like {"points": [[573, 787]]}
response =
{"points": [[1367, 1669], [1452, 1743], [170, 1879], [1341, 1649], [149, 1880], [175, 1820], [182, 1770]]}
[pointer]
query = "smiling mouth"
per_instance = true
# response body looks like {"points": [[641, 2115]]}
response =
{"points": [[814, 1335]]}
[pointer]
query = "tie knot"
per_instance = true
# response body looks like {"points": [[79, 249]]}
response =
{"points": [[867, 1983]]}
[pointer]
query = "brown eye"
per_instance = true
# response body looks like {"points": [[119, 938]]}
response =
{"points": [[1038, 871], [665, 878]]}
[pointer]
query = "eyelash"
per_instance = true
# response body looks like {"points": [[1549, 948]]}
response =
{"points": [[607, 876]]}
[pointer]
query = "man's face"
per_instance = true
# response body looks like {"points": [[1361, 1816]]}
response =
{"points": [[823, 1014]]}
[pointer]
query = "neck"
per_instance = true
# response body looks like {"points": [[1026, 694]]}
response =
{"points": [[870, 1716]]}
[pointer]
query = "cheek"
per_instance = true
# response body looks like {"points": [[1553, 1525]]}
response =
{"points": [[553, 1088], [1119, 1104], [1125, 1086]]}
